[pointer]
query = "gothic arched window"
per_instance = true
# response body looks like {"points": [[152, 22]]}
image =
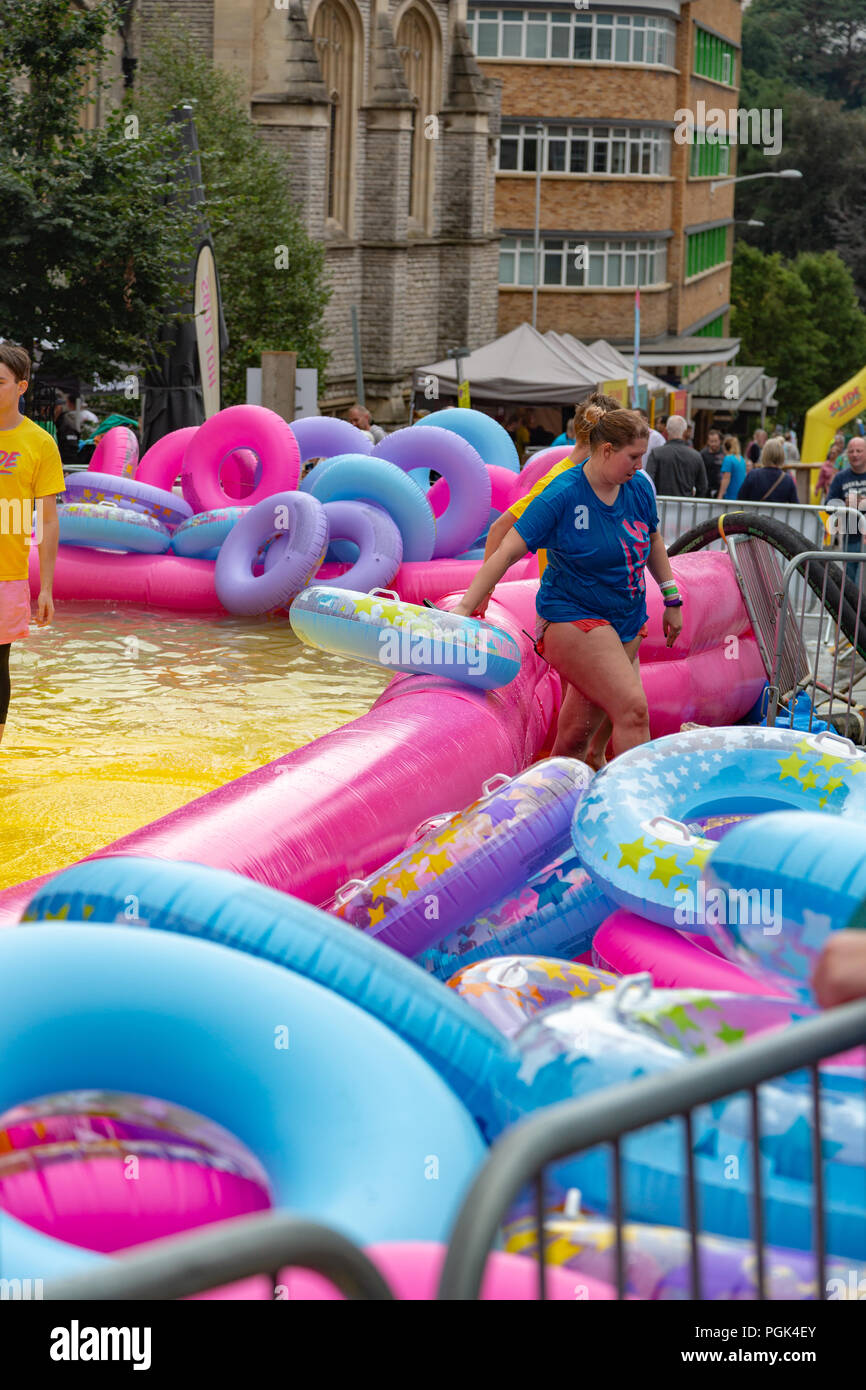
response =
{"points": [[418, 44], [336, 49]]}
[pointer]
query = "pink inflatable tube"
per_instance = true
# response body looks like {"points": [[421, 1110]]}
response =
{"points": [[347, 802], [537, 466], [116, 453], [161, 465], [412, 1269], [628, 944], [177, 583], [238, 427]]}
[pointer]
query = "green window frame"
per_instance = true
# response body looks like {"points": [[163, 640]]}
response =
{"points": [[705, 249], [714, 58]]}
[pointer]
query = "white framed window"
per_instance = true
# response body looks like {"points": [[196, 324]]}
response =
{"points": [[576, 36], [577, 262], [596, 149]]}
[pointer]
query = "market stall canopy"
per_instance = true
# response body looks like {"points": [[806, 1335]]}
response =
{"points": [[624, 367], [733, 388], [603, 359], [688, 351], [521, 367]]}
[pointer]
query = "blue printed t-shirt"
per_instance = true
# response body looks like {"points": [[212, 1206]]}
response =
{"points": [[736, 466], [596, 553]]}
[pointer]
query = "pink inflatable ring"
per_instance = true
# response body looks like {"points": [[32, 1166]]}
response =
{"points": [[251, 427], [128, 492]]}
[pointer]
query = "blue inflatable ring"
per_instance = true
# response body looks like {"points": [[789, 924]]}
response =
{"points": [[485, 434], [104, 527], [203, 534], [217, 905], [628, 829], [347, 1119], [462, 468], [359, 478]]}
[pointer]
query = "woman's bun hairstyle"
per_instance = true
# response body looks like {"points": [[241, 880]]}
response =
{"points": [[602, 420]]}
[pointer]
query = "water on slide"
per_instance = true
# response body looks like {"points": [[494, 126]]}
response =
{"points": [[121, 714]]}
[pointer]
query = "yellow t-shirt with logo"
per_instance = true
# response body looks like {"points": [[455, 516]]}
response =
{"points": [[30, 467], [519, 507]]}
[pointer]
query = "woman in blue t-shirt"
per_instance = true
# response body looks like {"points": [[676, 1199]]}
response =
{"points": [[733, 469], [599, 525]]}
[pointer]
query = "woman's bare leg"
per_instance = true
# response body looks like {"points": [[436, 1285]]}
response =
{"points": [[604, 672], [578, 719], [595, 750]]}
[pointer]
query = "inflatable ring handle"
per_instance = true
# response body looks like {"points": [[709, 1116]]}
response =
{"points": [[666, 823], [498, 974], [828, 736], [385, 593], [490, 785], [350, 883], [625, 986]]}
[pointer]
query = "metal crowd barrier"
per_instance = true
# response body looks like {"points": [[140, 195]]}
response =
{"points": [[679, 514], [815, 655], [519, 1159]]}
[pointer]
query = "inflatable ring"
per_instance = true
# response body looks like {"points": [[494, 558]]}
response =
{"points": [[555, 913], [220, 906], [238, 427], [464, 474], [508, 990], [629, 830], [162, 465], [324, 436], [291, 516], [454, 873], [805, 876], [538, 465], [128, 492], [485, 434], [630, 945], [363, 478], [380, 545], [203, 534], [111, 528], [116, 453], [269, 1055], [381, 630]]}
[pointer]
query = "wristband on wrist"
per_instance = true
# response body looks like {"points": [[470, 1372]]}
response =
{"points": [[668, 585], [673, 603]]}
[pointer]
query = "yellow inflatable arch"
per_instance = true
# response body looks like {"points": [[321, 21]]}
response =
{"points": [[825, 418]]}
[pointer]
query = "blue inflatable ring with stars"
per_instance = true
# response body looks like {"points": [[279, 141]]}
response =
{"points": [[628, 828]]}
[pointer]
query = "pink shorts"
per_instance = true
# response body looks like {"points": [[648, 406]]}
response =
{"points": [[14, 609]]}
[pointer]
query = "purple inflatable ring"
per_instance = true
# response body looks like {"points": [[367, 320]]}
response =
{"points": [[377, 537], [128, 492], [463, 469], [292, 566], [323, 436]]}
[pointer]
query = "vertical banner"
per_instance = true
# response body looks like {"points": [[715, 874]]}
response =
{"points": [[679, 404], [617, 389], [463, 395], [635, 388], [207, 329]]}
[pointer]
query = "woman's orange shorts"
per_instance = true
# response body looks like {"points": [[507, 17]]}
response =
{"points": [[585, 625]]}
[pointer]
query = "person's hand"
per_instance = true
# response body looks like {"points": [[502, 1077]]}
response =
{"points": [[840, 974], [672, 624], [44, 607]]}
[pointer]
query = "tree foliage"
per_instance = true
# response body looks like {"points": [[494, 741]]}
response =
{"points": [[820, 45], [271, 272], [89, 249], [800, 319]]}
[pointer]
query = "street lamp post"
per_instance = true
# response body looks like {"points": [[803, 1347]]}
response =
{"points": [[536, 247], [744, 178]]}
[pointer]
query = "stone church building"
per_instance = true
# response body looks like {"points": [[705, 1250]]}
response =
{"points": [[391, 130]]}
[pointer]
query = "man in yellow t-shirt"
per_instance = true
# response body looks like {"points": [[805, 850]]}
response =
{"points": [[30, 476]]}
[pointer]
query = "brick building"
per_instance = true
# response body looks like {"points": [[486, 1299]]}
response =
{"points": [[390, 127], [594, 93]]}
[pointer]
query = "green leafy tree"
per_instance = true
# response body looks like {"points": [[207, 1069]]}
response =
{"points": [[89, 249], [271, 272], [826, 209], [801, 320], [820, 45]]}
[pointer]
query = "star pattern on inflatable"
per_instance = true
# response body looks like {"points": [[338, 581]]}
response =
{"points": [[439, 862], [665, 868], [632, 853]]}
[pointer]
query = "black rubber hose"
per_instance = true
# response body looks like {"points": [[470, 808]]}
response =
{"points": [[839, 595]]}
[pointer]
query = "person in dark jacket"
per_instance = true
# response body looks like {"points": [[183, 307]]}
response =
{"points": [[676, 469], [713, 456], [768, 482]]}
